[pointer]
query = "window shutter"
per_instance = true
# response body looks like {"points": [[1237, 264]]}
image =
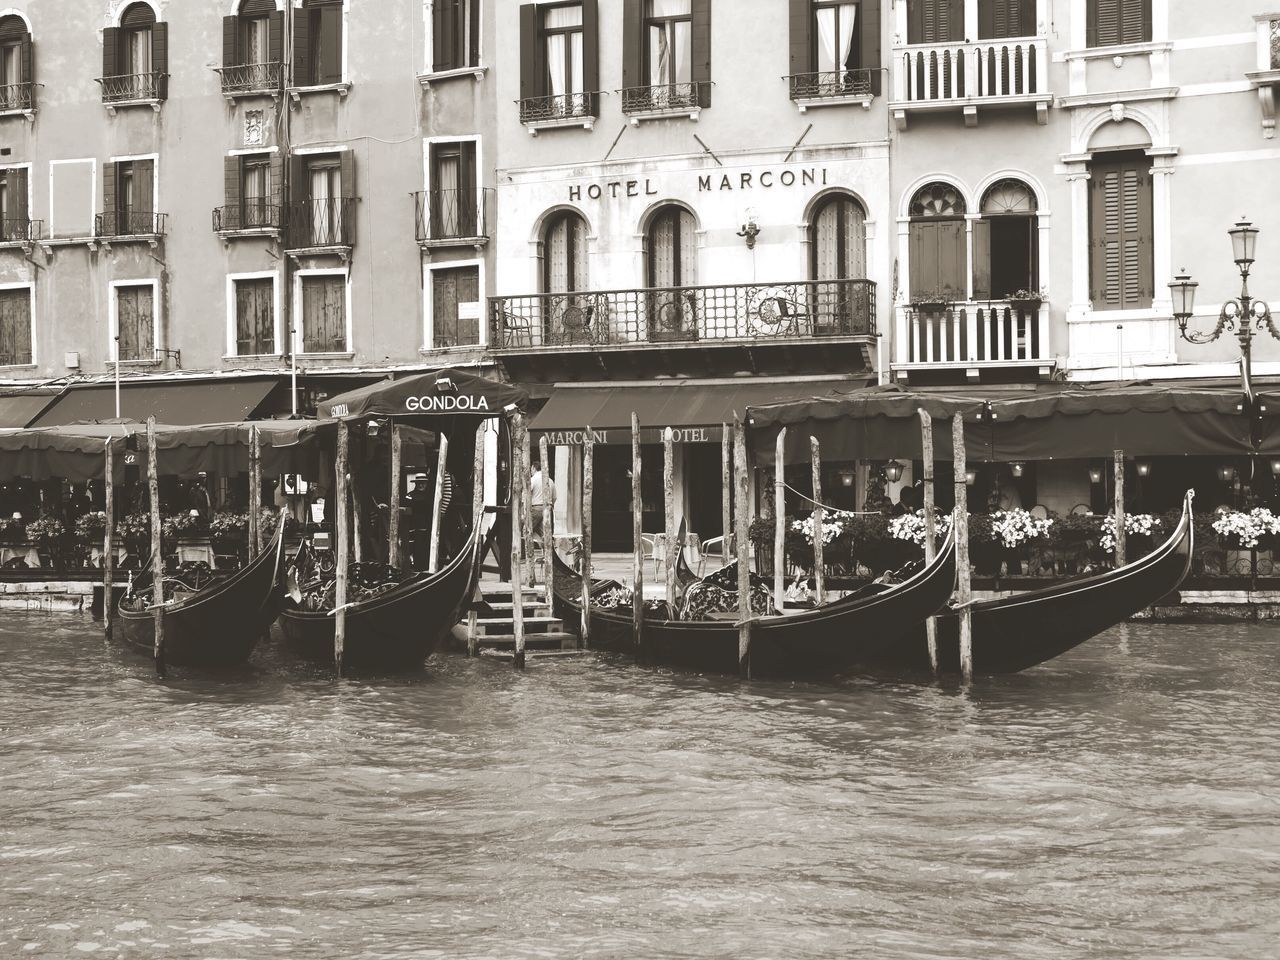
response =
{"points": [[144, 172], [160, 58], [1106, 22], [632, 44], [982, 259], [700, 31], [955, 21], [346, 208], [531, 84], [110, 51], [988, 17], [800, 17], [473, 33], [591, 51], [441, 17], [1027, 25], [275, 36], [330, 44], [1137, 21], [347, 173], [231, 192], [915, 20], [277, 179], [26, 55], [924, 259], [953, 267], [230, 38], [1121, 236], [1143, 285], [870, 52], [1091, 23], [467, 188], [109, 189], [302, 47], [18, 195]]}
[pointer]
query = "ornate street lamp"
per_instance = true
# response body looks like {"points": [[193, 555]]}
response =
{"points": [[1017, 468], [893, 471]]}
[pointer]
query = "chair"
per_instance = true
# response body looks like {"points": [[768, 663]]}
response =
{"points": [[692, 550], [713, 548], [517, 329], [659, 552], [1081, 509], [1040, 511], [647, 547]]}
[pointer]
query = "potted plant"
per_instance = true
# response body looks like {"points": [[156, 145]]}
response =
{"points": [[932, 303], [88, 533], [1028, 300], [1015, 530], [134, 531], [1240, 534], [909, 527], [228, 531], [1139, 534], [13, 530], [180, 526], [46, 534]]}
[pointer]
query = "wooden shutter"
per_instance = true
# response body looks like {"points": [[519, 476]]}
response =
{"points": [[444, 308], [230, 41], [144, 188], [345, 209], [700, 41], [443, 14], [1121, 235], [109, 190], [17, 179], [633, 74], [160, 58], [800, 20], [531, 72], [255, 327], [955, 21], [869, 55], [277, 179], [302, 47], [998, 19], [347, 173], [231, 192], [330, 69], [27, 61], [467, 188], [923, 251], [473, 34], [591, 51], [15, 326], [935, 21], [1104, 23], [953, 260], [982, 259], [110, 52], [938, 259], [275, 36], [1135, 21]]}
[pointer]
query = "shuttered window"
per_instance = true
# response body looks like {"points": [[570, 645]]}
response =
{"points": [[317, 43], [16, 65], [835, 35], [1120, 233], [15, 218], [838, 239], [998, 19], [455, 34], [15, 326], [455, 307], [324, 313], [1112, 22], [935, 21], [672, 260], [667, 49], [135, 322], [255, 316], [938, 249], [564, 251], [559, 59], [454, 204]]}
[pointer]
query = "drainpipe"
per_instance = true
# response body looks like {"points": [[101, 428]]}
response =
{"points": [[284, 130]]}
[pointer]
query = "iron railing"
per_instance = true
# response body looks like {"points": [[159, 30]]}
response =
{"points": [[20, 230], [18, 96], [247, 215], [1000, 331], [831, 84], [444, 215], [252, 77], [564, 106], [758, 311], [330, 222], [988, 69], [129, 223], [134, 86], [663, 96]]}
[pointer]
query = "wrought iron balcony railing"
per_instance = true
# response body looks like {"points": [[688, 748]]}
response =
{"points": [[251, 78], [663, 97], [831, 84], [20, 230], [129, 223], [751, 312], [445, 215], [247, 215], [134, 86], [564, 106], [986, 70], [964, 334], [17, 96], [330, 222]]}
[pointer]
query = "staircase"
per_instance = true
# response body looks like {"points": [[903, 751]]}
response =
{"points": [[491, 630]]}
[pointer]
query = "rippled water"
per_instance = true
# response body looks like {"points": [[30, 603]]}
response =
{"points": [[1120, 802]]}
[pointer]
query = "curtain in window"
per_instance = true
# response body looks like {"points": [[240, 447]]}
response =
{"points": [[835, 36], [256, 194], [669, 43], [137, 51], [255, 41], [565, 250], [448, 183], [324, 206], [324, 314], [564, 50]]}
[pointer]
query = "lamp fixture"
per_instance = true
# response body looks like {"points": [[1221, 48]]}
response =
{"points": [[1244, 241], [893, 471], [1142, 467], [1095, 474], [846, 478], [444, 384], [1017, 468], [971, 477], [1275, 468], [1226, 473], [750, 229]]}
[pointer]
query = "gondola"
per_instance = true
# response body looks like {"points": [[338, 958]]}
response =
{"points": [[825, 641], [219, 624], [1016, 632], [393, 631]]}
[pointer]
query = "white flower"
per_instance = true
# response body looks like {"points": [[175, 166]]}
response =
{"points": [[833, 522], [910, 526], [1014, 527], [1247, 528], [1141, 524]]}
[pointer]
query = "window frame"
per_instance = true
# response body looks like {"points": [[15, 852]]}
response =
{"points": [[428, 305], [823, 202], [113, 324], [429, 146], [545, 33], [557, 217], [299, 337], [815, 38], [311, 81], [429, 36], [30, 198], [233, 319], [30, 287], [649, 22]]}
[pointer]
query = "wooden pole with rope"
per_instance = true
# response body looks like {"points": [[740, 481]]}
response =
{"points": [[519, 478], [393, 499], [742, 533], [669, 515], [960, 524], [930, 528], [477, 526], [815, 523], [437, 502], [588, 495], [108, 543], [157, 548], [343, 546], [637, 543], [780, 521]]}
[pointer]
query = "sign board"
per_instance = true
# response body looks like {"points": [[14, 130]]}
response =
{"points": [[469, 310], [578, 437]]}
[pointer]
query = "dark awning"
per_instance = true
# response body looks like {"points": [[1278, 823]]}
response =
{"points": [[695, 410], [441, 393], [169, 401], [18, 408]]}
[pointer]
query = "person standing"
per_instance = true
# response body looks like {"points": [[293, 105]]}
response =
{"points": [[418, 507], [540, 485]]}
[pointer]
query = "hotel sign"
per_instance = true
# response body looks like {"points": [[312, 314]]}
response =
{"points": [[707, 183], [578, 438]]}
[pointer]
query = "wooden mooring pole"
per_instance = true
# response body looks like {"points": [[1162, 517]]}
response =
{"points": [[816, 520], [637, 543], [255, 493], [669, 514], [527, 506], [342, 547], [108, 542], [780, 521], [157, 548], [393, 498], [964, 585], [930, 528], [519, 482], [437, 500], [588, 495], [477, 520], [742, 533], [548, 519], [1120, 544]]}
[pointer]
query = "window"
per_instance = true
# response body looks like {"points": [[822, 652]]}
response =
{"points": [[15, 221], [1112, 22], [453, 189], [938, 253], [455, 307], [128, 199], [935, 21], [255, 326], [666, 55], [324, 313], [1120, 232], [1006, 243], [322, 211], [317, 43], [671, 261], [1000, 19], [838, 254], [562, 43], [835, 48], [252, 184], [252, 47], [15, 326], [135, 321], [559, 60], [564, 254], [667, 42], [135, 57], [256, 193], [455, 34], [16, 74]]}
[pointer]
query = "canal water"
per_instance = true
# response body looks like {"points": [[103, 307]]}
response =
{"points": [[1119, 802]]}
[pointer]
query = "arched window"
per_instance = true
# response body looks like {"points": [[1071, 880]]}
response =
{"points": [[837, 255], [135, 57], [939, 264], [135, 39], [564, 253], [15, 64], [253, 38], [1006, 243], [671, 261]]}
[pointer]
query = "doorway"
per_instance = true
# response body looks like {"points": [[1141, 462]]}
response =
{"points": [[704, 493], [611, 495]]}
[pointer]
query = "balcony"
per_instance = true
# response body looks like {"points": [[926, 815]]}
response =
{"points": [[252, 79], [559, 110], [832, 88], [1266, 78], [452, 218], [966, 76], [20, 231], [321, 226], [18, 98], [249, 218], [134, 89], [664, 100], [123, 226], [997, 338]]}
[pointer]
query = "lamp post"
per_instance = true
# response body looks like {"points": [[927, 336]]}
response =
{"points": [[1243, 316]]}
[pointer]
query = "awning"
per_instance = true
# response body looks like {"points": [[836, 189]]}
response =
{"points": [[440, 393], [19, 408], [169, 401], [695, 410]]}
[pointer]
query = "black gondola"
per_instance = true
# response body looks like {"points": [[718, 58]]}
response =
{"points": [[825, 641], [395, 630], [219, 624], [1020, 631]]}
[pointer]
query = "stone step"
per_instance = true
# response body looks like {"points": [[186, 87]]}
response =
{"points": [[532, 608], [552, 638], [499, 590], [509, 655], [506, 624]]}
